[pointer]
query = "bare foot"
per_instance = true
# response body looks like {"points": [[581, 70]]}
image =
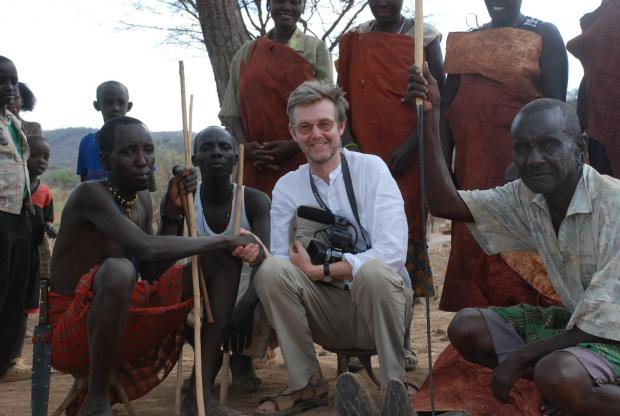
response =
{"points": [[550, 409], [189, 405], [96, 407], [268, 406], [243, 374], [212, 408], [311, 396]]}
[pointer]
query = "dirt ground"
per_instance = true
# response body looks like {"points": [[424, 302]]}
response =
{"points": [[15, 397]]}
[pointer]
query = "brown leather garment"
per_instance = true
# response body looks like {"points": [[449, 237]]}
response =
{"points": [[271, 72], [372, 70], [597, 49], [480, 116]]}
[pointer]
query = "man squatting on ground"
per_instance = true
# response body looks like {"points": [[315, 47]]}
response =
{"points": [[214, 155], [568, 213], [109, 307], [359, 302]]}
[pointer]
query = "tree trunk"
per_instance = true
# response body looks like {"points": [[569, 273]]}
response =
{"points": [[224, 32]]}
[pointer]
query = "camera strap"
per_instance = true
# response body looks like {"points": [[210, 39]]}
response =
{"points": [[348, 184]]}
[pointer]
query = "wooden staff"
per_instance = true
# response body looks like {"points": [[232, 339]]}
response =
{"points": [[419, 61], [419, 41], [236, 228], [177, 396], [190, 215]]}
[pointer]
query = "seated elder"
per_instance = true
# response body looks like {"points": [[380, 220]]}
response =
{"points": [[565, 211]]}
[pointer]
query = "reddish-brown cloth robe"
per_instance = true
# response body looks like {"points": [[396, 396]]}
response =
{"points": [[267, 77], [499, 71], [598, 49]]}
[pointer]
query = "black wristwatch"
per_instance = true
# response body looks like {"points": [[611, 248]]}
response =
{"points": [[326, 276]]}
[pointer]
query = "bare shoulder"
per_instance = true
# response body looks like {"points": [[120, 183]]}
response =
{"points": [[83, 197], [257, 202]]}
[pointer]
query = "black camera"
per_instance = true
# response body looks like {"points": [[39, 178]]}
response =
{"points": [[338, 233]]}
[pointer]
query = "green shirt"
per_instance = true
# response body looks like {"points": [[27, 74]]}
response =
{"points": [[308, 47], [430, 32], [15, 137], [20, 150]]}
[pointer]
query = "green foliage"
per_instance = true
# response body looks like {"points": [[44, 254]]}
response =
{"points": [[62, 178]]}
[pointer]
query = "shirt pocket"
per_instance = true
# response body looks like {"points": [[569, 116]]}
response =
{"points": [[9, 178]]}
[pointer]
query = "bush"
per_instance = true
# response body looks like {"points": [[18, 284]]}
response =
{"points": [[63, 178]]}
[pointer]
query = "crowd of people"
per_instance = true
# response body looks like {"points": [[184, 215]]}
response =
{"points": [[332, 247]]}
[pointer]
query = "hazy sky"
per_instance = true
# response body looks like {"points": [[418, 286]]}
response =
{"points": [[64, 49]]}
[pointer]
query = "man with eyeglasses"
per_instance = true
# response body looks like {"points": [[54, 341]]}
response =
{"points": [[359, 302]]}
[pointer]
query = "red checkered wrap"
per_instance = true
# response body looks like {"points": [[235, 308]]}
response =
{"points": [[152, 338]]}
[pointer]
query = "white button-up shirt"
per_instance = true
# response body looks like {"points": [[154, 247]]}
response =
{"points": [[379, 203], [582, 259]]}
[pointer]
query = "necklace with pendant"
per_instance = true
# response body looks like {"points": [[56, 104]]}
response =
{"points": [[125, 204]]}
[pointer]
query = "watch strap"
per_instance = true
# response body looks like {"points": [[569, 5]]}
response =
{"points": [[326, 274]]}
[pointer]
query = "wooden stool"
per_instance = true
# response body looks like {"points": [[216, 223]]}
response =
{"points": [[80, 384], [364, 357]]}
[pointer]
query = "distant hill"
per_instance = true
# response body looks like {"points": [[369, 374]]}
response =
{"points": [[65, 143]]}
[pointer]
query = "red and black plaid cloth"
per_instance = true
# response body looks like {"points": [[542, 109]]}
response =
{"points": [[152, 338]]}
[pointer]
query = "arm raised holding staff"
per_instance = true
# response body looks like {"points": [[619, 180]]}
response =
{"points": [[570, 352]]}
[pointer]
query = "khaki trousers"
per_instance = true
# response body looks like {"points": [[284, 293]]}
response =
{"points": [[369, 315]]}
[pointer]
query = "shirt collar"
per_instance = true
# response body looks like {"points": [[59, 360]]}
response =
{"points": [[581, 203], [296, 42], [332, 175]]}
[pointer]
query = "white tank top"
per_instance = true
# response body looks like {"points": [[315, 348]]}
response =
{"points": [[201, 222], [203, 230]]}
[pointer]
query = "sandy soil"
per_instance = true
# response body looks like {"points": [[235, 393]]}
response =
{"points": [[15, 397]]}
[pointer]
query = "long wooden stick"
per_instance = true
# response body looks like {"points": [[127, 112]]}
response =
{"points": [[419, 40], [177, 396], [239, 191], [195, 279], [201, 278], [419, 61], [236, 228]]}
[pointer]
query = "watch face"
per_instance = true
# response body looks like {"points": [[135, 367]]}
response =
{"points": [[327, 279]]}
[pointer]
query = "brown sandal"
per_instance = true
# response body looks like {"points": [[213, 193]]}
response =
{"points": [[297, 402]]}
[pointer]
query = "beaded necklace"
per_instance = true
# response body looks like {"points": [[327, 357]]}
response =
{"points": [[125, 204]]}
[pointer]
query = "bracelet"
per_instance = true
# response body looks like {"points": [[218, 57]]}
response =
{"points": [[351, 145], [178, 220]]}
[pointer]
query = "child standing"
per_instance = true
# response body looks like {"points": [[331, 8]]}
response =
{"points": [[112, 101], [41, 220], [14, 218]]}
